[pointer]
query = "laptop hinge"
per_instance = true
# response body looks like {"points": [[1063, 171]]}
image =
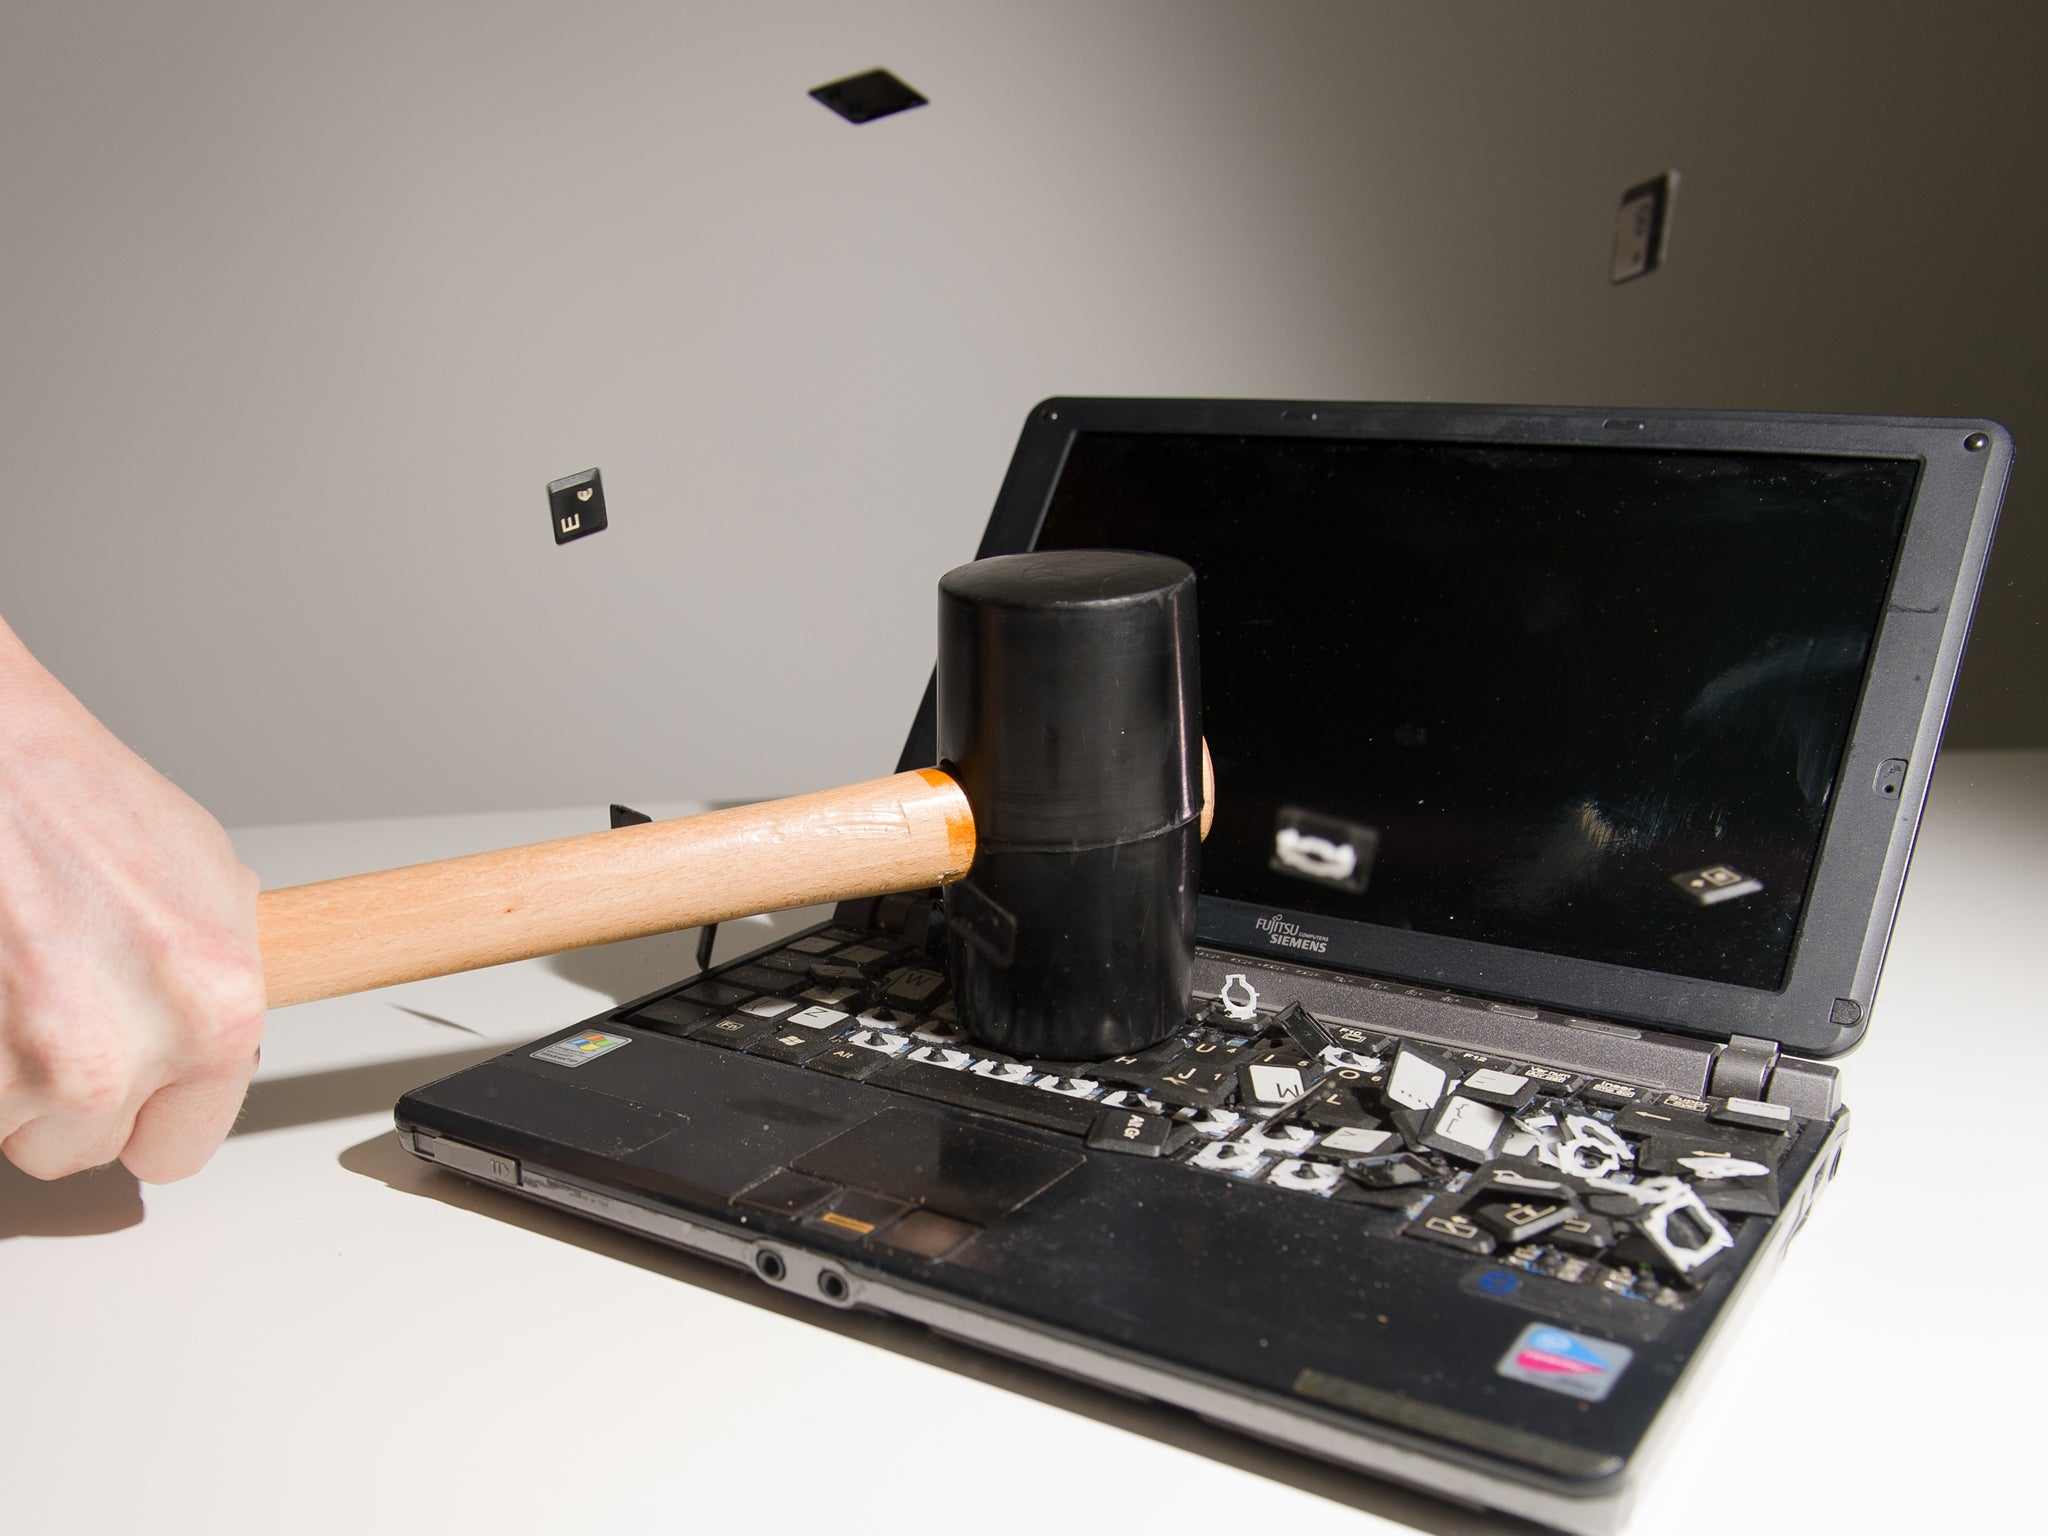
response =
{"points": [[1749, 1068], [1743, 1067], [1809, 1088]]}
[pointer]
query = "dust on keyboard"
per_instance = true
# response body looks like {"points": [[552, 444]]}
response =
{"points": [[1636, 1191]]}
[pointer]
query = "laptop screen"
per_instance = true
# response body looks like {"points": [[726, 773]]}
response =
{"points": [[1587, 702]]}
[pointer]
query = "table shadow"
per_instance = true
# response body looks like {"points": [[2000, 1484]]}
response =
{"points": [[309, 1098], [383, 1159], [109, 1199], [88, 1204], [630, 969], [635, 967]]}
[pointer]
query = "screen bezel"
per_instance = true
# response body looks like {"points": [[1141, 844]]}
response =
{"points": [[1824, 1004]]}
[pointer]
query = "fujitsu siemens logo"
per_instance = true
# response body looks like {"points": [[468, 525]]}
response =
{"points": [[1289, 935]]}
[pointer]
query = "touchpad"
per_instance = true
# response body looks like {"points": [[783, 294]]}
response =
{"points": [[959, 1169]]}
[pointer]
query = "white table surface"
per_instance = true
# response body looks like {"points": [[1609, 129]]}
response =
{"points": [[320, 1334]]}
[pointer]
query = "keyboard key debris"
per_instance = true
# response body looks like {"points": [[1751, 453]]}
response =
{"points": [[1591, 1181]]}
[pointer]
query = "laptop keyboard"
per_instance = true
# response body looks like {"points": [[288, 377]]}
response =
{"points": [[1637, 1192]]}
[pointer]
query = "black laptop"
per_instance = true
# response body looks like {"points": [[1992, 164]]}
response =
{"points": [[1567, 767]]}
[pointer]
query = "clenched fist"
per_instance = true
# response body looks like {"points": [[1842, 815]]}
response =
{"points": [[131, 993]]}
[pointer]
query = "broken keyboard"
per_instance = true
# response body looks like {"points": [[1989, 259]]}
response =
{"points": [[1631, 1189]]}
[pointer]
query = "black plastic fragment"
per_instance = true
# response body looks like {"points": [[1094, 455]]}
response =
{"points": [[866, 97], [1413, 1124], [1336, 1105], [1304, 1029]]}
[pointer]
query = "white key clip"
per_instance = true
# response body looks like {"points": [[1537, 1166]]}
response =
{"points": [[1243, 1011]]}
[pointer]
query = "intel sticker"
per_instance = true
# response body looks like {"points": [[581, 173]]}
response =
{"points": [[1561, 1361], [578, 1049]]}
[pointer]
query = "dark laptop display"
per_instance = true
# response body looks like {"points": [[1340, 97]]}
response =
{"points": [[1567, 768], [1516, 690]]}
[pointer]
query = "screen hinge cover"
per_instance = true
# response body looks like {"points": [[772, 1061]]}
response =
{"points": [[1743, 1067], [1750, 1068], [1809, 1088]]}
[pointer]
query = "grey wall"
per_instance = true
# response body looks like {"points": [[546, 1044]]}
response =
{"points": [[303, 305]]}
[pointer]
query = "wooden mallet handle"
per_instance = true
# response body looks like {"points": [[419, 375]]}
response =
{"points": [[902, 833], [896, 834]]}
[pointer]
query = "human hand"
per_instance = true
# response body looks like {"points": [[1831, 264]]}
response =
{"points": [[131, 991]]}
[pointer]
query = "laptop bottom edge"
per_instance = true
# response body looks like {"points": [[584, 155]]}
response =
{"points": [[1407, 1441]]}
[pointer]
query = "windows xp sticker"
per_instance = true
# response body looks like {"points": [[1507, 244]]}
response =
{"points": [[577, 1049]]}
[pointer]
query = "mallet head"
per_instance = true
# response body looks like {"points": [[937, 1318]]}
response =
{"points": [[1069, 710]]}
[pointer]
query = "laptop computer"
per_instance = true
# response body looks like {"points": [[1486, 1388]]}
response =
{"points": [[1568, 764]]}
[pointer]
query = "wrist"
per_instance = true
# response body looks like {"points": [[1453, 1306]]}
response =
{"points": [[38, 713]]}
